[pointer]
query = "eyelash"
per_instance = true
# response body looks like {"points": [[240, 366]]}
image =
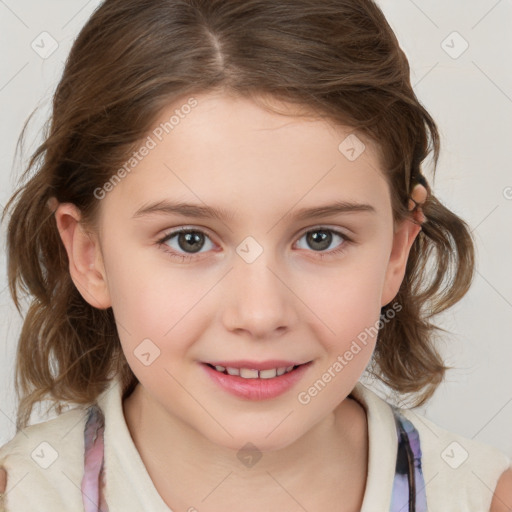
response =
{"points": [[187, 257]]}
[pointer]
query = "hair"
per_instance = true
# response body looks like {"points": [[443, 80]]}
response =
{"points": [[338, 59]]}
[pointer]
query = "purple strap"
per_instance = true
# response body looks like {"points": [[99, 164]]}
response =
{"points": [[408, 494], [93, 481]]}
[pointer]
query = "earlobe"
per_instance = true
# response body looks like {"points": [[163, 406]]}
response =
{"points": [[84, 254], [403, 239]]}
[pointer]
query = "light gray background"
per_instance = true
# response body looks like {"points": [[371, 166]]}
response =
{"points": [[470, 97]]}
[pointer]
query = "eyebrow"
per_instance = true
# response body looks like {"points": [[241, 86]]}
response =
{"points": [[166, 207]]}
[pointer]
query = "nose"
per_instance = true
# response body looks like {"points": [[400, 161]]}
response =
{"points": [[259, 301]]}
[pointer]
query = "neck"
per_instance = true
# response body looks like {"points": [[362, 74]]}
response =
{"points": [[187, 468]]}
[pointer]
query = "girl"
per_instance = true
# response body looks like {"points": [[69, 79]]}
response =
{"points": [[283, 140]]}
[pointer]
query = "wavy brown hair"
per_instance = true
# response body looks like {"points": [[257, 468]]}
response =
{"points": [[337, 58]]}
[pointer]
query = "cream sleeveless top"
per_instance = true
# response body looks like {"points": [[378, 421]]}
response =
{"points": [[85, 460]]}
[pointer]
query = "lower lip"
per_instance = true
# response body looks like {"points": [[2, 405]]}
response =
{"points": [[257, 389]]}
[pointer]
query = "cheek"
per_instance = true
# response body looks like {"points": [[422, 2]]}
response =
{"points": [[154, 302], [148, 293], [347, 298], [347, 325]]}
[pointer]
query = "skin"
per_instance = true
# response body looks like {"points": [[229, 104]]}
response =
{"points": [[250, 312], [289, 303]]}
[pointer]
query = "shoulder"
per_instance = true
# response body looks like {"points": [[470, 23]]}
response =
{"points": [[502, 498], [44, 463], [458, 470]]}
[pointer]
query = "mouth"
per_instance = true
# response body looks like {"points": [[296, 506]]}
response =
{"points": [[252, 373], [242, 380]]}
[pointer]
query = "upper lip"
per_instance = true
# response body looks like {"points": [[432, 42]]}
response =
{"points": [[256, 365]]}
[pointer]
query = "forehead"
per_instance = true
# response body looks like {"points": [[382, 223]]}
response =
{"points": [[223, 149]]}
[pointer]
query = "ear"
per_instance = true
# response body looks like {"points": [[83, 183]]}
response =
{"points": [[403, 238], [86, 265]]}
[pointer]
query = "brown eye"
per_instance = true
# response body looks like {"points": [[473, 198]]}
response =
{"points": [[321, 239], [184, 243], [191, 240]]}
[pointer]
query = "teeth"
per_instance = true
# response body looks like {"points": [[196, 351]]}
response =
{"points": [[268, 374], [247, 373]]}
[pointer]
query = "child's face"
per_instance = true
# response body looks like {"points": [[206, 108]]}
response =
{"points": [[258, 287]]}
